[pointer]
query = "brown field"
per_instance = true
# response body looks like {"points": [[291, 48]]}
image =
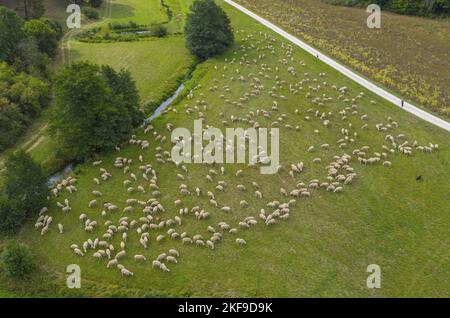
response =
{"points": [[408, 55]]}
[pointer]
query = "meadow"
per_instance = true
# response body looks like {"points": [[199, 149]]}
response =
{"points": [[383, 217], [156, 64], [141, 12], [408, 55]]}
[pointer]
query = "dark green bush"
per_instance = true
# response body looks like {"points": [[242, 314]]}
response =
{"points": [[208, 30], [95, 3], [90, 13], [17, 260], [158, 30]]}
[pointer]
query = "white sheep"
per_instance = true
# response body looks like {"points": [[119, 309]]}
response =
{"points": [[121, 254], [139, 257], [126, 272], [171, 259], [174, 252], [241, 242], [243, 204]]}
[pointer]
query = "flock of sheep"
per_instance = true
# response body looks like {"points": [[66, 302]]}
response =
{"points": [[153, 220]]}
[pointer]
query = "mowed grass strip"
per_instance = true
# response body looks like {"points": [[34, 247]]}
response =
{"points": [[385, 217], [179, 9], [141, 12]]}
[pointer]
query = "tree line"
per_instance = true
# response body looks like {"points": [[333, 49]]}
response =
{"points": [[428, 8], [26, 49]]}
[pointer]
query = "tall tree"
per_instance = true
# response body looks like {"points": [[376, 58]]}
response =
{"points": [[95, 109], [22, 97], [46, 37], [11, 34], [25, 191], [25, 183], [32, 9], [208, 30]]}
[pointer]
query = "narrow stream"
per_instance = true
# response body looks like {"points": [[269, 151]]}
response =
{"points": [[164, 104], [58, 176]]}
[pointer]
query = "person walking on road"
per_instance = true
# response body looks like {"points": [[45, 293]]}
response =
{"points": [[403, 102]]}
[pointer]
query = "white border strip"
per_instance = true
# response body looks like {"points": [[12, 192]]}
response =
{"points": [[347, 72]]}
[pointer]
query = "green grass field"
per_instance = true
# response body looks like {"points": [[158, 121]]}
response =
{"points": [[384, 217], [141, 12], [156, 64]]}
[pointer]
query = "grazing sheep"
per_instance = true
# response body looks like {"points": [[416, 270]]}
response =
{"points": [[112, 263], [226, 209], [126, 272], [174, 252], [338, 190], [161, 257], [120, 254], [78, 252], [186, 240], [171, 259], [199, 243], [97, 193], [241, 242], [164, 268], [243, 204], [243, 225], [140, 258], [156, 263]]}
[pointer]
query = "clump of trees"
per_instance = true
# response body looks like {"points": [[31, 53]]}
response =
{"points": [[90, 13], [96, 108], [25, 50], [24, 194], [208, 29], [22, 41], [22, 97], [32, 9], [408, 7], [17, 261]]}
